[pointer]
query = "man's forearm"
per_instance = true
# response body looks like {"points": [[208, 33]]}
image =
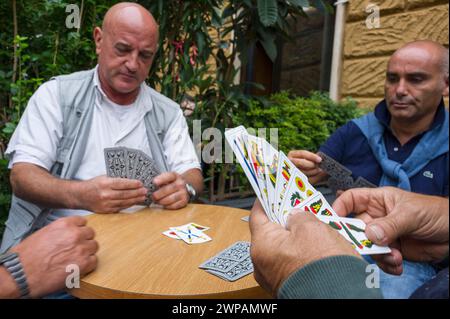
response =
{"points": [[36, 185], [195, 178], [8, 287]]}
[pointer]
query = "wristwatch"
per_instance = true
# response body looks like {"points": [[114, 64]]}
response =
{"points": [[191, 191], [12, 263]]}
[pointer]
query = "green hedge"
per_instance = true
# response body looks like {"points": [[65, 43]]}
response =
{"points": [[303, 123]]}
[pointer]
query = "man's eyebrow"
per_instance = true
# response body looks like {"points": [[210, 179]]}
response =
{"points": [[147, 51], [128, 46], [415, 73], [418, 73], [123, 44]]}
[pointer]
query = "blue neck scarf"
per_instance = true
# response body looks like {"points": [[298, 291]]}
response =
{"points": [[433, 144]]}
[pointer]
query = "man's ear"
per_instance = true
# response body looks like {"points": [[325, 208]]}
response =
{"points": [[98, 38], [445, 92]]}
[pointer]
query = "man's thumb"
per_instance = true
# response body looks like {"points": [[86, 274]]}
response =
{"points": [[384, 231]]}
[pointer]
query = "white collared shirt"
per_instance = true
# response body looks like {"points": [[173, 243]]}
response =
{"points": [[39, 133]]}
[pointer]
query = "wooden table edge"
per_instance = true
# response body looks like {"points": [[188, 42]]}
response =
{"points": [[90, 291]]}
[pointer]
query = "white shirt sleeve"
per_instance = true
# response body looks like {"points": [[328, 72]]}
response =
{"points": [[178, 147], [39, 131]]}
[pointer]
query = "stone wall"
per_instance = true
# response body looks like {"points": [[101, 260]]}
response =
{"points": [[367, 50]]}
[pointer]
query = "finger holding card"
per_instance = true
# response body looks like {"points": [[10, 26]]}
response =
{"points": [[171, 193], [110, 195]]}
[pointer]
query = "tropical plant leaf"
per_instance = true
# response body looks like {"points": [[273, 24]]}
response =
{"points": [[268, 12], [270, 47], [300, 3]]}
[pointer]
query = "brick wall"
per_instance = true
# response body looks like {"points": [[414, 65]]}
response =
{"points": [[367, 51]]}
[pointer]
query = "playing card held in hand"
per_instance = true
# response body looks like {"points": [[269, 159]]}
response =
{"points": [[122, 162]]}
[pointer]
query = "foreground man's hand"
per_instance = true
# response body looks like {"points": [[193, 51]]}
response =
{"points": [[46, 254], [415, 226], [277, 252]]}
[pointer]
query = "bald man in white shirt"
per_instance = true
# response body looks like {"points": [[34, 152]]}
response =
{"points": [[126, 45]]}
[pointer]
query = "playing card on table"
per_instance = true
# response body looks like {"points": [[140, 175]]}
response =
{"points": [[240, 270], [218, 263], [238, 251], [115, 160], [246, 219], [191, 235], [172, 234], [232, 263], [194, 225], [354, 231]]}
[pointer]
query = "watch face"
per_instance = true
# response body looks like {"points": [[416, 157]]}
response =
{"points": [[191, 190]]}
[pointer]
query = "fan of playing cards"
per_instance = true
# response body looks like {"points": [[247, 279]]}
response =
{"points": [[122, 162], [281, 187]]}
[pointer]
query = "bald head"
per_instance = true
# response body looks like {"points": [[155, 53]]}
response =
{"points": [[432, 51], [129, 15]]}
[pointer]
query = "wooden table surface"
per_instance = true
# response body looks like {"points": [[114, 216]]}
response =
{"points": [[136, 260]]}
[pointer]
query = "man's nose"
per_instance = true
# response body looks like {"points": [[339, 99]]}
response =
{"points": [[401, 88], [132, 62]]}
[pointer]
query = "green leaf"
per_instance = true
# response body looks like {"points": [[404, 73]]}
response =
{"points": [[200, 37], [300, 3], [268, 12], [270, 47], [9, 128]]}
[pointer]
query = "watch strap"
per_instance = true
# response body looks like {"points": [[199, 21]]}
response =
{"points": [[14, 267]]}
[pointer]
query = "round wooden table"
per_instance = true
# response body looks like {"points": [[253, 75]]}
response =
{"points": [[136, 260]]}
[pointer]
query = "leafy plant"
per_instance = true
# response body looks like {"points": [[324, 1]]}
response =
{"points": [[302, 122]]}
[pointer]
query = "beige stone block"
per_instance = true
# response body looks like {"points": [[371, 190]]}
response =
{"points": [[364, 77], [413, 4], [357, 8], [396, 30], [368, 103]]}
